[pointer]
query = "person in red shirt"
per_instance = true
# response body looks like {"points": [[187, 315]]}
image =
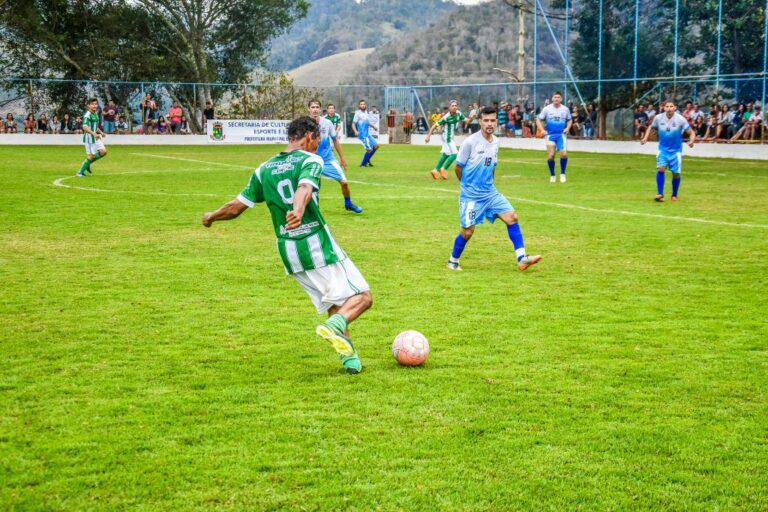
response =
{"points": [[175, 114]]}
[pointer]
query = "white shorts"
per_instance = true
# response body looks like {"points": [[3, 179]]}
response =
{"points": [[332, 284], [95, 147], [449, 148]]}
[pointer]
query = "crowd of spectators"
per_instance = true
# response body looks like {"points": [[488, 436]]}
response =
{"points": [[722, 123], [113, 121]]}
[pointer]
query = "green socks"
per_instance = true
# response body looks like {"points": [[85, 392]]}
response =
{"points": [[85, 166], [450, 161], [337, 322], [443, 158], [99, 156]]}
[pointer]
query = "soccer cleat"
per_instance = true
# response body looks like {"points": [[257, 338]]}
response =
{"points": [[454, 265], [443, 174], [369, 164], [352, 364], [552, 179], [340, 343], [527, 261], [562, 178], [674, 198], [353, 208], [435, 175], [88, 170], [80, 175], [659, 198]]}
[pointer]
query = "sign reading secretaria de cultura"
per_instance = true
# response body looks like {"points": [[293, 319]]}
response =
{"points": [[244, 131]]}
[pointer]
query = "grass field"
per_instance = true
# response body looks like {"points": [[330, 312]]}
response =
{"points": [[147, 363]]}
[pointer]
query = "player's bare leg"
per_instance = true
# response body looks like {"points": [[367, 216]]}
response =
{"points": [[516, 236]]}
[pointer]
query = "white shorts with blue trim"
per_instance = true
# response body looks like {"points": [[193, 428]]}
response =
{"points": [[477, 211], [672, 161], [333, 170], [368, 142], [560, 141]]}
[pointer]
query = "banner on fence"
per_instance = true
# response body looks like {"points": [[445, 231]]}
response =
{"points": [[243, 131]]}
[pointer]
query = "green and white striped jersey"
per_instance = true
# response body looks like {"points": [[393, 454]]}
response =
{"points": [[275, 182], [91, 121], [335, 119], [450, 122]]}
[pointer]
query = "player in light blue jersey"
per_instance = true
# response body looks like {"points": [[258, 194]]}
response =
{"points": [[479, 200], [670, 126], [360, 126], [328, 141], [558, 120]]}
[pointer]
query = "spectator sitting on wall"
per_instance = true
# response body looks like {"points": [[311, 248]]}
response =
{"points": [[55, 125], [724, 123], [10, 124], [66, 124], [713, 120], [640, 121], [77, 125], [701, 129], [174, 115], [502, 117], [578, 122], [686, 113], [29, 124], [695, 113], [184, 127], [110, 113], [651, 113], [42, 124], [421, 124], [742, 120], [590, 123], [121, 125], [756, 123], [162, 126]]}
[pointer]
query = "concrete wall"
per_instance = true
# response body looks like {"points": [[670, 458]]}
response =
{"points": [[739, 151]]}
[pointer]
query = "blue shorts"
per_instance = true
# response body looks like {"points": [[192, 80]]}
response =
{"points": [[472, 212], [559, 140], [672, 161], [333, 170], [368, 142]]}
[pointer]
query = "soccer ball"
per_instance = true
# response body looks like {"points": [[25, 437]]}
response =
{"points": [[410, 348]]}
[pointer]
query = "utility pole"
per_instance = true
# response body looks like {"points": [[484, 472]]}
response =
{"points": [[520, 47]]}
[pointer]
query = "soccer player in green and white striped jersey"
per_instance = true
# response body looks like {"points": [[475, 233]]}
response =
{"points": [[448, 154], [92, 135], [289, 183], [333, 117]]}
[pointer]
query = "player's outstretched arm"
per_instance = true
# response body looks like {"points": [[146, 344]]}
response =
{"points": [[692, 137], [458, 171], [539, 126], [300, 200], [231, 210], [429, 133]]}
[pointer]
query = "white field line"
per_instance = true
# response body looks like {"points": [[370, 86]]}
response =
{"points": [[223, 164], [59, 183]]}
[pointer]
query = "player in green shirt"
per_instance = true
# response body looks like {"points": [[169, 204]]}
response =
{"points": [[333, 117], [448, 154], [289, 183], [92, 138]]}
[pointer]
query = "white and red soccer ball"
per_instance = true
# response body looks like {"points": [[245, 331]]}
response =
{"points": [[410, 348]]}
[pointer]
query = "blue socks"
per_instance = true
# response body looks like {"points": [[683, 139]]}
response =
{"points": [[675, 184], [551, 164], [660, 182], [517, 237], [348, 202], [458, 247], [563, 163], [366, 158]]}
